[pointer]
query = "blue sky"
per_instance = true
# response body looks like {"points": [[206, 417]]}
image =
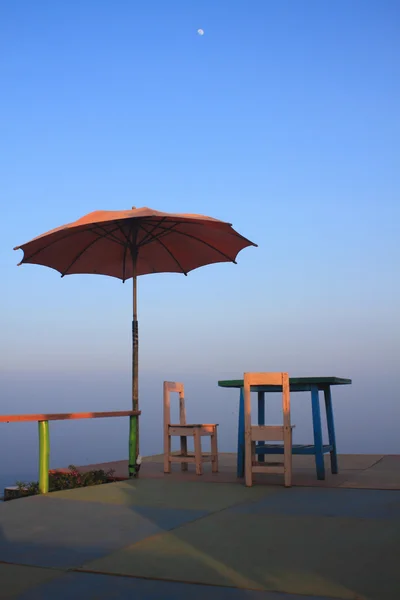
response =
{"points": [[282, 119]]}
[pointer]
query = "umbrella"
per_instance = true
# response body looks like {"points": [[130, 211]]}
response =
{"points": [[128, 243]]}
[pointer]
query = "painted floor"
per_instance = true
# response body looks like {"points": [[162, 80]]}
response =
{"points": [[164, 538]]}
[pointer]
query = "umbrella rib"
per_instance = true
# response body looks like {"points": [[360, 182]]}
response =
{"points": [[150, 237], [77, 257], [126, 246], [81, 252], [121, 229], [68, 235], [169, 252], [193, 237], [47, 245], [108, 234], [149, 234]]}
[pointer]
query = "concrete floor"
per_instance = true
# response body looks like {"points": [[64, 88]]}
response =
{"points": [[180, 536], [364, 471]]}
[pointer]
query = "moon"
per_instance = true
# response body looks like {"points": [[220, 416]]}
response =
{"points": [[200, 31]]}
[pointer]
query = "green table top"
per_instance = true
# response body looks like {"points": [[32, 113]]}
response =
{"points": [[297, 384]]}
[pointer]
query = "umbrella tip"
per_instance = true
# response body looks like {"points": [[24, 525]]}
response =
{"points": [[133, 207]]}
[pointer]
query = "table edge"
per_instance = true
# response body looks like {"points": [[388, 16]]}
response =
{"points": [[319, 381]]}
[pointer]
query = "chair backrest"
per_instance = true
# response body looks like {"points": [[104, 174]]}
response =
{"points": [[173, 386], [281, 380]]}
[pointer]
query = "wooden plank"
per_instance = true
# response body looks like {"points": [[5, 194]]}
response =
{"points": [[188, 430], [263, 378], [67, 416], [180, 430], [182, 459], [192, 425], [268, 433], [174, 386]]}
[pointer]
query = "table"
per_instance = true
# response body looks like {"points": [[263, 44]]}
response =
{"points": [[297, 384]]}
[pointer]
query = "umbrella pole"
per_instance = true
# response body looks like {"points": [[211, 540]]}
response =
{"points": [[134, 422]]}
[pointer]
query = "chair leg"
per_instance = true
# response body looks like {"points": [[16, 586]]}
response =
{"points": [[331, 430], [184, 466], [253, 453], [287, 458], [241, 442], [214, 451], [167, 453], [197, 452], [319, 450], [288, 470], [248, 467]]}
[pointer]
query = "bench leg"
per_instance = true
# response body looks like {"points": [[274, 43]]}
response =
{"points": [[197, 452], [331, 430], [316, 412], [214, 451]]}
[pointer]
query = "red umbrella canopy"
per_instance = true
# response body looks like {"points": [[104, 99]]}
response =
{"points": [[133, 242]]}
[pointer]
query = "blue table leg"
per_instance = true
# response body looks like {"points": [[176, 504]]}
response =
{"points": [[240, 450], [316, 412], [331, 429], [261, 419]]}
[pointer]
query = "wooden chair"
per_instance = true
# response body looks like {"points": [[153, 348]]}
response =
{"points": [[183, 430], [255, 433]]}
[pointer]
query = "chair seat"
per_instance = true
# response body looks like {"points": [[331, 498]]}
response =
{"points": [[191, 430]]}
